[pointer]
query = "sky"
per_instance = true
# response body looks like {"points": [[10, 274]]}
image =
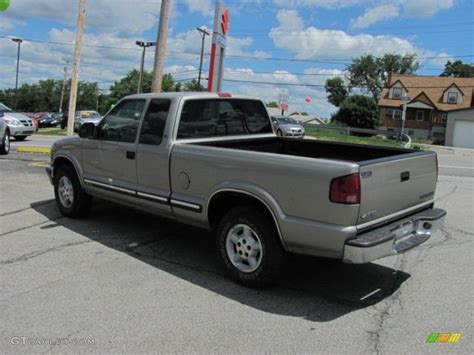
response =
{"points": [[294, 45]]}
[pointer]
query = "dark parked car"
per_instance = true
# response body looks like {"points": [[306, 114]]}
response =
{"points": [[51, 120]]}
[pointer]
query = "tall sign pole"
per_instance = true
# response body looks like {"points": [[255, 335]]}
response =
{"points": [[219, 42], [161, 40], [75, 68]]}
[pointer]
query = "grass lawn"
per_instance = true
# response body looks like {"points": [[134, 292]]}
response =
{"points": [[53, 131], [339, 137]]}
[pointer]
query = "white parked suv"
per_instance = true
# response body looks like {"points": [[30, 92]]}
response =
{"points": [[20, 126], [4, 136]]}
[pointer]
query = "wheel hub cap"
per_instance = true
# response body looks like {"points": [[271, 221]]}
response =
{"points": [[244, 248], [65, 191]]}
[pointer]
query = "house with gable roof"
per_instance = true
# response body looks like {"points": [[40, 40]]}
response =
{"points": [[432, 100]]}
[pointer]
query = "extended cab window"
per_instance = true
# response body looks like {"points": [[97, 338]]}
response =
{"points": [[121, 124], [154, 122], [218, 117]]}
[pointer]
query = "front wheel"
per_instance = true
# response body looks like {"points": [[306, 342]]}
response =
{"points": [[5, 147], [71, 199], [248, 246]]}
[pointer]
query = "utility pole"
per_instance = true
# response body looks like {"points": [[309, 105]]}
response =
{"points": [[161, 45], [75, 68], [203, 33], [144, 45], [18, 41], [64, 85]]}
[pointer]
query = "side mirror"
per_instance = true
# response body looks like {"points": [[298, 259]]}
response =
{"points": [[87, 130]]}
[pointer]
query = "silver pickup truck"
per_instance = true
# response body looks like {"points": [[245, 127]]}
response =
{"points": [[213, 161]]}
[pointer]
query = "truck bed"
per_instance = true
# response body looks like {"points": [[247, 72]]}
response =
{"points": [[313, 149], [392, 179]]}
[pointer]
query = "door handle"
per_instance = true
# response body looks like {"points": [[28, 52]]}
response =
{"points": [[130, 155]]}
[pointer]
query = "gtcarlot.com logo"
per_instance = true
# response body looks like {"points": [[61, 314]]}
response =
{"points": [[443, 338], [22, 340]]}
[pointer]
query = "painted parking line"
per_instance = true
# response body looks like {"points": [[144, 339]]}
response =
{"points": [[40, 164], [456, 167], [26, 149]]}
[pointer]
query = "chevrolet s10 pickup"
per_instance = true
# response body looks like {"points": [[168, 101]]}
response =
{"points": [[212, 160]]}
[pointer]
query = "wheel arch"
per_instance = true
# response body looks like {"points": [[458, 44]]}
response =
{"points": [[222, 200], [62, 161]]}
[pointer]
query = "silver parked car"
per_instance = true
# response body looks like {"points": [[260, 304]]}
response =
{"points": [[4, 135], [19, 125], [287, 127], [86, 117]]}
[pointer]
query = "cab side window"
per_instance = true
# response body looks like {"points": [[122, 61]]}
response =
{"points": [[154, 122], [121, 124]]}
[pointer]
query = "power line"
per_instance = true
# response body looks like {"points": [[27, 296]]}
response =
{"points": [[327, 61], [322, 86]]}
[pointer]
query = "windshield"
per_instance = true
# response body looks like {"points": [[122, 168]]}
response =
{"points": [[4, 108], [90, 114], [286, 120]]}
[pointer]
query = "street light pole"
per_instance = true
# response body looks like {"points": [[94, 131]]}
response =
{"points": [[144, 45], [64, 85], [18, 41], [203, 33]]}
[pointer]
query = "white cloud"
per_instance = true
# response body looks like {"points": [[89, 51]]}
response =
{"points": [[425, 8], [329, 4], [111, 15], [375, 15], [204, 7], [312, 43]]}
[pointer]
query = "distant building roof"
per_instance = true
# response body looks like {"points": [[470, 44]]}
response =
{"points": [[273, 111], [430, 87]]}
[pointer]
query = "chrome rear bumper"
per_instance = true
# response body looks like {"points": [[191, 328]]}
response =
{"points": [[394, 238]]}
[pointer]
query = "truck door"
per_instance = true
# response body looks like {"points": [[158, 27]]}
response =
{"points": [[153, 158], [110, 163]]}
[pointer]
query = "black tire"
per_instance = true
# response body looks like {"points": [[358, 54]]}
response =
{"points": [[5, 147], [81, 203], [279, 133], [20, 138], [273, 256]]}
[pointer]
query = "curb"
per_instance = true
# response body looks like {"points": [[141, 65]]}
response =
{"points": [[26, 149]]}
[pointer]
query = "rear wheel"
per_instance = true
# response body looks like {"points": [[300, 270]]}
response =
{"points": [[71, 199], [5, 147], [249, 248], [20, 138]]}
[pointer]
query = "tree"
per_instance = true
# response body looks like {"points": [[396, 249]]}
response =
{"points": [[273, 104], [458, 69], [358, 111], [193, 86], [372, 72], [336, 91]]}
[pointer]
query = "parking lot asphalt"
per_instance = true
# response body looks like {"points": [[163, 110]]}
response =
{"points": [[124, 281]]}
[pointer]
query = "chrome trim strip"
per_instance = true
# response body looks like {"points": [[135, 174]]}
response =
{"points": [[100, 184], [186, 204], [153, 197], [393, 215]]}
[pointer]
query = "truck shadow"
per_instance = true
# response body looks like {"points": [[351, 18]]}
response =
{"points": [[312, 288]]}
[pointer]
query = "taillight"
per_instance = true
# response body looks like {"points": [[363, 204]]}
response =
{"points": [[345, 189], [224, 94]]}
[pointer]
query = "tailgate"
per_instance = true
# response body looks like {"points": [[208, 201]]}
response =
{"points": [[395, 184]]}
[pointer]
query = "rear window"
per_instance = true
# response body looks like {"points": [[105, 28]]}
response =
{"points": [[219, 117]]}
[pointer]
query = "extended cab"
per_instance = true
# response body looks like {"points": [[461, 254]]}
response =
{"points": [[213, 161]]}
